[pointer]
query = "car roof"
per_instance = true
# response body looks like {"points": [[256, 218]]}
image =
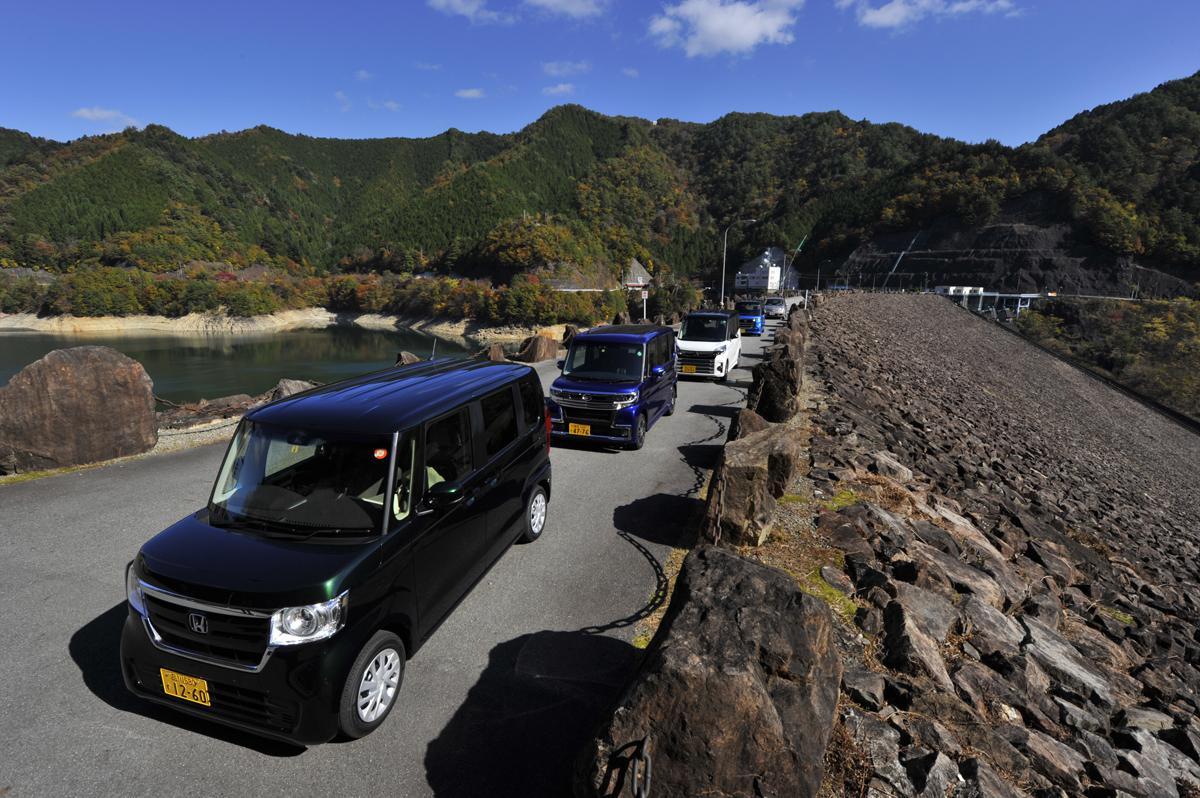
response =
{"points": [[624, 333], [392, 399], [717, 313]]}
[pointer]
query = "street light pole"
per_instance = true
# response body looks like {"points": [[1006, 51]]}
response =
{"points": [[725, 254]]}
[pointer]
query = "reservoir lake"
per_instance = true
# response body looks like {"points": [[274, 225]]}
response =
{"points": [[188, 368]]}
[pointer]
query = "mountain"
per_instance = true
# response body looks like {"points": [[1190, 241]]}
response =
{"points": [[576, 192]]}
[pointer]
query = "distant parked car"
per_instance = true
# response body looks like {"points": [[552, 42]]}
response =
{"points": [[345, 524], [616, 383], [775, 308], [750, 316], [710, 344]]}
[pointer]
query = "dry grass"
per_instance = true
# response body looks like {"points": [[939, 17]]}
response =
{"points": [[848, 767], [646, 628]]}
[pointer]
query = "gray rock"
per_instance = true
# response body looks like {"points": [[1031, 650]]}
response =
{"points": [[1143, 718], [909, 650], [1062, 661], [864, 687], [931, 612], [990, 630], [981, 781], [285, 388], [739, 685], [885, 464], [882, 745]]}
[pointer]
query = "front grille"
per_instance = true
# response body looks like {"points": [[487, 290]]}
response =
{"points": [[588, 414], [240, 640], [229, 702], [705, 362], [747, 324]]}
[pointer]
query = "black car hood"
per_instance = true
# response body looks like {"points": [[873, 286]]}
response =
{"points": [[244, 569]]}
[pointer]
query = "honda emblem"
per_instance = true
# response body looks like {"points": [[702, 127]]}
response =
{"points": [[198, 623]]}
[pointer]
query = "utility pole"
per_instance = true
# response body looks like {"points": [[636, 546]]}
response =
{"points": [[724, 255]]}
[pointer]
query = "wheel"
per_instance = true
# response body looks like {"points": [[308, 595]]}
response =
{"points": [[639, 433], [372, 685], [670, 411], [535, 515]]}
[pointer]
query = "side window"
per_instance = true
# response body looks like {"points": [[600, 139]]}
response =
{"points": [[732, 328], [532, 402], [448, 449], [499, 421]]}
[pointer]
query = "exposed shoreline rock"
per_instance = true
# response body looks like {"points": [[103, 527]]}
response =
{"points": [[464, 332]]}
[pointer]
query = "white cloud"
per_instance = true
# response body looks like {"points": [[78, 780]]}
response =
{"points": [[474, 10], [112, 118], [902, 13], [470, 94], [576, 9], [561, 69], [385, 105], [343, 100], [709, 27], [362, 74], [559, 90], [630, 72], [425, 66]]}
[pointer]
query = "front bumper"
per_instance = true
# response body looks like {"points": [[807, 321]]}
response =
{"points": [[613, 426], [295, 697]]}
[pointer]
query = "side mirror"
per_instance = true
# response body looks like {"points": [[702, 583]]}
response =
{"points": [[658, 371], [444, 494], [560, 364]]}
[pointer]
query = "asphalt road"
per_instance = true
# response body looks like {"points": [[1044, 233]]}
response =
{"points": [[496, 703]]}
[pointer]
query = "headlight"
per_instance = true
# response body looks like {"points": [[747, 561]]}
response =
{"points": [[720, 349], [133, 590], [293, 625], [624, 399]]}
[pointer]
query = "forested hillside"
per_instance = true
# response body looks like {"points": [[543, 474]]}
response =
{"points": [[576, 194]]}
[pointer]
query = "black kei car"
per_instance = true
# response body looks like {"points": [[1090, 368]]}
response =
{"points": [[344, 526]]}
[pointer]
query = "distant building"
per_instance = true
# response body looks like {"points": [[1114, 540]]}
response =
{"points": [[636, 275], [763, 273]]}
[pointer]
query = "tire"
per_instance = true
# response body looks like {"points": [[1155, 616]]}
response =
{"points": [[639, 433], [535, 514], [670, 411], [384, 654]]}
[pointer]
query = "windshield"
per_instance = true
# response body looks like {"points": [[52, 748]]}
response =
{"points": [[604, 361], [704, 328], [290, 481], [775, 303], [749, 308]]}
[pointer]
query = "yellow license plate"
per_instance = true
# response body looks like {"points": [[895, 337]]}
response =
{"points": [[579, 429], [689, 369], [189, 688]]}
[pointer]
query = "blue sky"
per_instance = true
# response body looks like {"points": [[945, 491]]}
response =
{"points": [[972, 69]]}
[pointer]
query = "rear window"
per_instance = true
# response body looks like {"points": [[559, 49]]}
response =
{"points": [[532, 402], [499, 421]]}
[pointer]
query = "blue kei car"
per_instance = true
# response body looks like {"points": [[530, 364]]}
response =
{"points": [[751, 316], [616, 383]]}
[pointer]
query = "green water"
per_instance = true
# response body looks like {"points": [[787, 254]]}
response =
{"points": [[208, 366]]}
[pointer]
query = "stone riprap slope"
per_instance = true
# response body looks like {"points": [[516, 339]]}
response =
{"points": [[1023, 545]]}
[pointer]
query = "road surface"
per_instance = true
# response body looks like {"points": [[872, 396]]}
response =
{"points": [[497, 702]]}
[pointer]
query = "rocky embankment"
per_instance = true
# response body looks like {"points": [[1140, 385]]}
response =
{"points": [[1023, 546]]}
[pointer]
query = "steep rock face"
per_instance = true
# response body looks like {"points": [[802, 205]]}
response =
{"points": [[1022, 251], [1023, 546], [737, 693], [75, 406]]}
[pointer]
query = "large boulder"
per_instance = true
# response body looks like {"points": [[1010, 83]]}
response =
{"points": [[537, 348], [493, 352], [406, 358], [754, 471], [286, 387], [569, 333], [737, 693], [75, 406], [776, 384]]}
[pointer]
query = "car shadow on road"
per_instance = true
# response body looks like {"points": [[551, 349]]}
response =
{"points": [[524, 722], [95, 649], [726, 410]]}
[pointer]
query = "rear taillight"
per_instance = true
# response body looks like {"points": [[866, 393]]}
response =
{"points": [[549, 427]]}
